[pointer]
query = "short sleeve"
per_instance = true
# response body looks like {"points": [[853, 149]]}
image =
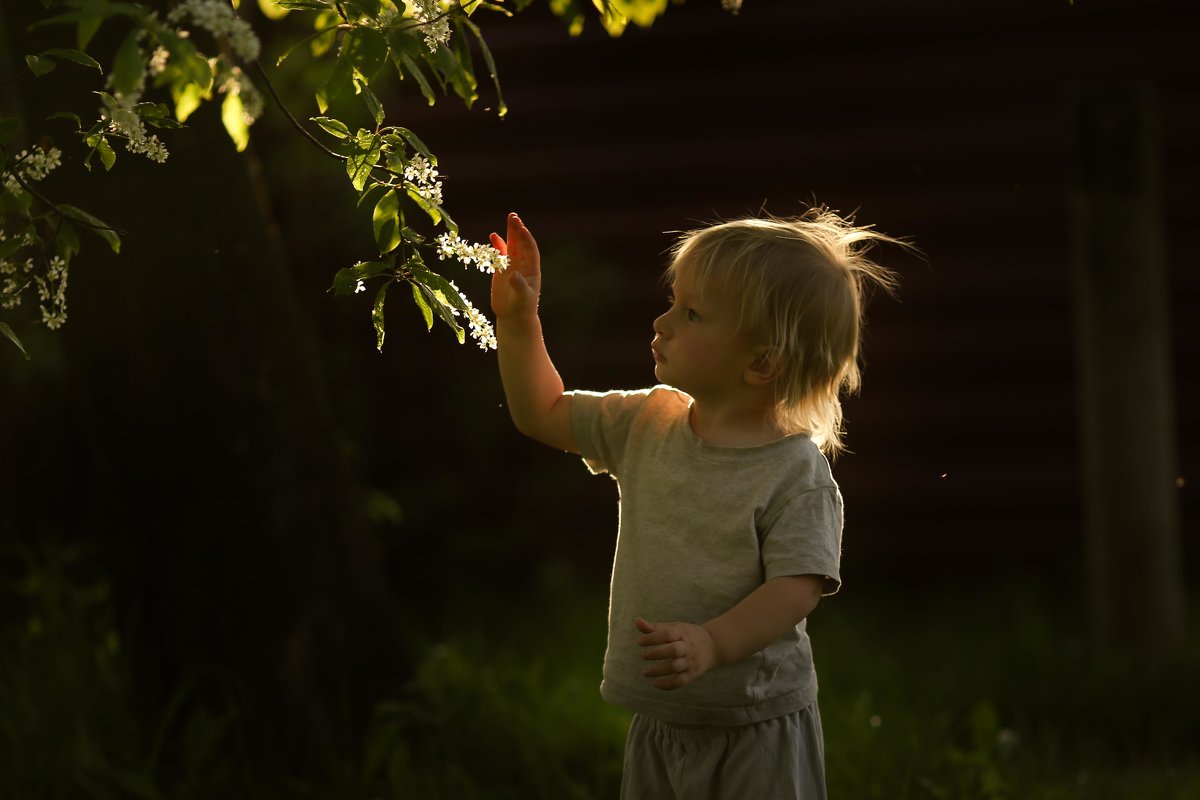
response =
{"points": [[805, 538], [601, 423]]}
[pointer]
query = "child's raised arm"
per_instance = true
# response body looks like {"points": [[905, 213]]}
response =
{"points": [[532, 385]]}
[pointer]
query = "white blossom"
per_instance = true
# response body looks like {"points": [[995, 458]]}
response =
{"points": [[219, 19], [420, 171], [480, 329], [359, 287], [52, 293], [422, 176], [477, 324], [126, 122], [32, 165], [434, 22], [485, 257], [158, 60]]}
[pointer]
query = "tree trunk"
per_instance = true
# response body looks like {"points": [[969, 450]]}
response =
{"points": [[1123, 340]]}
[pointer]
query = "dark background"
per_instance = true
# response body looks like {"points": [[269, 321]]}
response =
{"points": [[268, 491], [943, 122]]}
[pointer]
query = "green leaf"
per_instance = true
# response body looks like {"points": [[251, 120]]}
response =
{"points": [[233, 116], [187, 98], [272, 9], [96, 226], [502, 108], [129, 64], [78, 56], [325, 21], [8, 128], [303, 5], [432, 209], [345, 281], [419, 299], [107, 156], [415, 143], [372, 194], [70, 116], [456, 72], [40, 65], [66, 240], [363, 159], [374, 107], [437, 300], [386, 222], [377, 315], [86, 30], [12, 337], [333, 127], [156, 114], [366, 49], [99, 144], [405, 65], [437, 284]]}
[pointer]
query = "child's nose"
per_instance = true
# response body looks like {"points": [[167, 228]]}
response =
{"points": [[660, 325]]}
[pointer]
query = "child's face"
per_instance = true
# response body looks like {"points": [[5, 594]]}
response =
{"points": [[697, 345]]}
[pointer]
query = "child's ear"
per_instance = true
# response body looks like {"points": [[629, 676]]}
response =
{"points": [[763, 369]]}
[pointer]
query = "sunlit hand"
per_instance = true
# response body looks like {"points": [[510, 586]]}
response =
{"points": [[515, 291], [682, 652]]}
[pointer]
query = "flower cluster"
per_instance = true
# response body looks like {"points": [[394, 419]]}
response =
{"points": [[424, 179], [52, 293], [32, 165], [477, 324], [219, 19], [125, 122], [434, 21], [732, 6], [485, 257], [16, 279], [158, 60]]}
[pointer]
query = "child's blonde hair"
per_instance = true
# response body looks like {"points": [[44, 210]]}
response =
{"points": [[799, 284]]}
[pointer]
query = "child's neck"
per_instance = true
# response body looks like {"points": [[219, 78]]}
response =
{"points": [[735, 425]]}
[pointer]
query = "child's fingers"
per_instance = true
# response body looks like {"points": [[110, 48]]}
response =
{"points": [[643, 625], [499, 243], [668, 650], [664, 668]]}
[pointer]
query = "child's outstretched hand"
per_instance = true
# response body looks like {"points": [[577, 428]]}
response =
{"points": [[683, 651], [515, 291]]}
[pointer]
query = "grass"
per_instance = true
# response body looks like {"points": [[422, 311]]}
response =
{"points": [[954, 694]]}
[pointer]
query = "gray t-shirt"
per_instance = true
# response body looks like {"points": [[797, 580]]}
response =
{"points": [[701, 527]]}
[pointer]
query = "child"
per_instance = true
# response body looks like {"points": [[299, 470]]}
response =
{"points": [[730, 520]]}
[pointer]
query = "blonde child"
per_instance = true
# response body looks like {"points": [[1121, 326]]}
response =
{"points": [[730, 520]]}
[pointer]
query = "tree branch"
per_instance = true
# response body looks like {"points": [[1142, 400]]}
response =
{"points": [[52, 205], [308, 134]]}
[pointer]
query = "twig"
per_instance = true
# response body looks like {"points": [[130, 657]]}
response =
{"points": [[290, 116], [307, 134], [54, 207]]}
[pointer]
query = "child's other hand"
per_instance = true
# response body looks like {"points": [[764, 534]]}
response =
{"points": [[515, 291], [683, 651]]}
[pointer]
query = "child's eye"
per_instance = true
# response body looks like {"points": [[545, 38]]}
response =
{"points": [[692, 315]]}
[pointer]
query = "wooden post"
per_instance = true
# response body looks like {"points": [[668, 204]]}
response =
{"points": [[1135, 579]]}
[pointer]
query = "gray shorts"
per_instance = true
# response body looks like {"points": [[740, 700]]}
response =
{"points": [[775, 759]]}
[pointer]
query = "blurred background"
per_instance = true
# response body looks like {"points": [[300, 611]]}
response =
{"points": [[249, 555]]}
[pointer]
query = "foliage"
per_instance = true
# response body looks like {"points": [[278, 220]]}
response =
{"points": [[988, 696], [163, 68]]}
